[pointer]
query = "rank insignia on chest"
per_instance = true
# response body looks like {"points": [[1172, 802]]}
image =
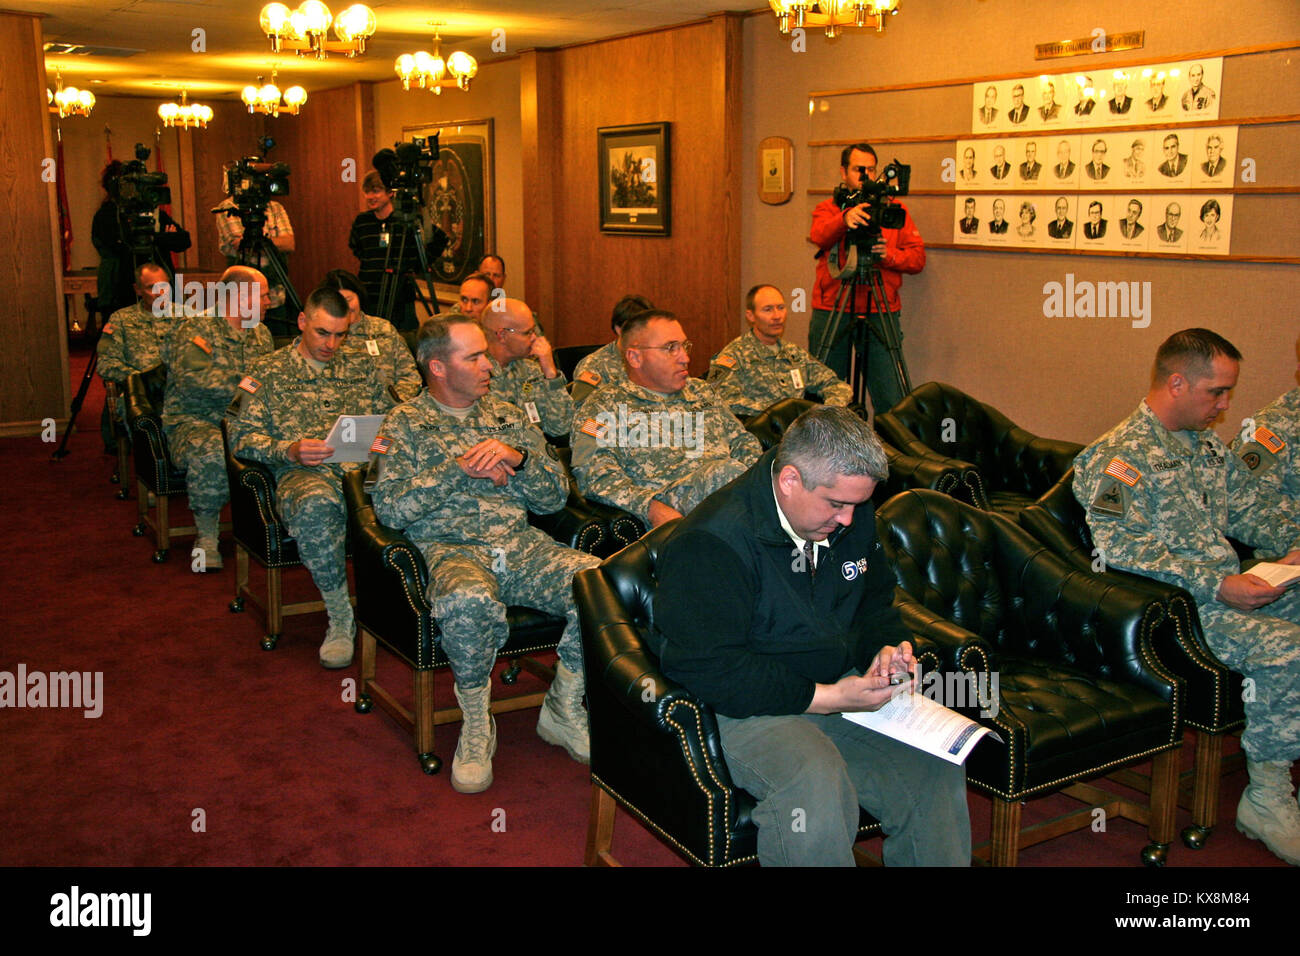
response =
{"points": [[590, 377], [250, 385], [202, 343], [1265, 437], [381, 445], [1118, 468]]}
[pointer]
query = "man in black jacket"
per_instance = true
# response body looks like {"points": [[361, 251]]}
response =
{"points": [[774, 607]]}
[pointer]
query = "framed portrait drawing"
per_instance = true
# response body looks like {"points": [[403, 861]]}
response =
{"points": [[635, 179], [459, 199]]}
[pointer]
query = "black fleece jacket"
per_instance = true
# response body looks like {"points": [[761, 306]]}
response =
{"points": [[741, 623]]}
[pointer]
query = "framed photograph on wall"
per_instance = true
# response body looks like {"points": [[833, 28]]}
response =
{"points": [[459, 200], [635, 179]]}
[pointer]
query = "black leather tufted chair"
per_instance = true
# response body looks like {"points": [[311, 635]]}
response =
{"points": [[259, 533], [155, 474], [655, 748], [568, 357], [392, 609], [1080, 689], [1011, 466], [1213, 707]]}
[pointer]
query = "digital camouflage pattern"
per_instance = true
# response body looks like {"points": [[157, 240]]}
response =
{"points": [[598, 368], [1268, 448], [205, 361], [750, 376], [1160, 503], [374, 340], [632, 445], [132, 341], [523, 382], [481, 551], [284, 398]]}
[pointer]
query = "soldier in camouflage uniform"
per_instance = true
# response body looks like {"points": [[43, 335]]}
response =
{"points": [[659, 442], [1162, 491], [288, 404], [206, 357], [132, 338], [373, 340], [760, 368], [458, 470], [1267, 444], [523, 366], [605, 365]]}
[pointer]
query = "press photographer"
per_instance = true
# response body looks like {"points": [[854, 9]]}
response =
{"points": [[130, 228], [868, 221], [254, 229], [388, 238]]}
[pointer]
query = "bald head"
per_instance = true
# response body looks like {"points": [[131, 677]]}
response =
{"points": [[510, 329], [245, 296]]}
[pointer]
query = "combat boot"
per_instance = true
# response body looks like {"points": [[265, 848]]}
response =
{"points": [[207, 529], [471, 768], [563, 720], [340, 638], [1268, 812]]}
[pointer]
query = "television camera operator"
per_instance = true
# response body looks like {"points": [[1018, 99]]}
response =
{"points": [[896, 247]]}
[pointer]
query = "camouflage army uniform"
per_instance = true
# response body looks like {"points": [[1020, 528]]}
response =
{"points": [[601, 367], [132, 341], [205, 361], [750, 376], [523, 382], [481, 551], [1159, 504], [283, 399], [1270, 450], [374, 340], [632, 445]]}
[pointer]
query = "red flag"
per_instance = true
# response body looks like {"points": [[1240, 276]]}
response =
{"points": [[65, 216]]}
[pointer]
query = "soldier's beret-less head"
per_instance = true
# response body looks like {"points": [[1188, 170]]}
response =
{"points": [[326, 298], [434, 340], [827, 443], [755, 290], [1191, 353], [638, 322]]}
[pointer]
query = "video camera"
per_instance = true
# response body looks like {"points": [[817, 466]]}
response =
{"points": [[878, 196], [405, 169], [139, 193], [254, 180]]}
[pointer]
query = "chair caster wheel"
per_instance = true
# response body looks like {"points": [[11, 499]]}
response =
{"points": [[364, 704], [430, 763], [113, 479], [1155, 854], [1194, 837], [510, 675], [138, 531], [159, 556], [121, 494], [269, 642], [236, 606]]}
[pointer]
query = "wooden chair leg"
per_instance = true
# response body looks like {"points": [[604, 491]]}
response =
{"points": [[1005, 833], [1164, 806], [1205, 789], [600, 829], [430, 762]]}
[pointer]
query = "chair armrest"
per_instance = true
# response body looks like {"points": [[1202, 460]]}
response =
{"points": [[574, 525], [910, 471], [941, 644]]}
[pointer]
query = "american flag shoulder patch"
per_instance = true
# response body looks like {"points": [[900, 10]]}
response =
{"points": [[1118, 468], [726, 361], [591, 427], [202, 343], [1269, 440], [590, 377], [381, 445], [250, 384]]}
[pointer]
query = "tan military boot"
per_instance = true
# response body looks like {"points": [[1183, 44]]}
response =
{"points": [[1268, 812], [207, 528], [563, 720], [471, 768], [340, 639]]}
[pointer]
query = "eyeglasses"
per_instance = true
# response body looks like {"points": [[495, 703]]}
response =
{"points": [[527, 333], [672, 348]]}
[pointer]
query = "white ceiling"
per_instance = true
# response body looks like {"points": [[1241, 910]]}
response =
{"points": [[237, 51]]}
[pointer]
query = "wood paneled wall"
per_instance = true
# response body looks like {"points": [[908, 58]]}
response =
{"points": [[232, 135], [33, 352], [690, 77]]}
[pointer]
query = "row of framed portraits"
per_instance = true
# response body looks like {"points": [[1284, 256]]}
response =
{"points": [[1159, 222], [1181, 91], [1204, 156]]}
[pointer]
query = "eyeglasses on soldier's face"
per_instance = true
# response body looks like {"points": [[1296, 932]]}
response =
{"points": [[672, 348], [526, 333]]}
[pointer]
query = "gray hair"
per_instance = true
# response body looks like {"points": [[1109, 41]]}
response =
{"points": [[827, 443], [434, 340]]}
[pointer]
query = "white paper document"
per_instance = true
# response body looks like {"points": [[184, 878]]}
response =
{"points": [[920, 722], [352, 436], [1278, 575]]}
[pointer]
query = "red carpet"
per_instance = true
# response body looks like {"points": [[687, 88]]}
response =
{"points": [[211, 751]]}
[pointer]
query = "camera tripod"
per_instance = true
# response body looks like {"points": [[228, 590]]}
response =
{"points": [[254, 248], [861, 273], [408, 227]]}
